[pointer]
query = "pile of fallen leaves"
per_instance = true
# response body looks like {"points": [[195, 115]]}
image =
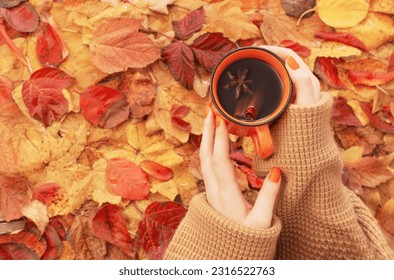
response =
{"points": [[102, 105]]}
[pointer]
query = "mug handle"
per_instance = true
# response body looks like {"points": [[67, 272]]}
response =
{"points": [[262, 141]]}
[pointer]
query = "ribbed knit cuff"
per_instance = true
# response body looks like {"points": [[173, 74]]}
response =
{"points": [[301, 136], [204, 233]]}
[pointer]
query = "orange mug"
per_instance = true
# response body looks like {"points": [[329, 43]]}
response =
{"points": [[249, 89]]}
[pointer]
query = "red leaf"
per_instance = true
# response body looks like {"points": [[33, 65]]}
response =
{"points": [[116, 114], [48, 193], [241, 158], [368, 78], [13, 197], [6, 87], [190, 24], [109, 224], [298, 48], [179, 111], [23, 18], [158, 226], [157, 170], [391, 63], [43, 97], [29, 237], [345, 38], [54, 244], [181, 124], [326, 70], [16, 252], [127, 179], [375, 120], [209, 48], [60, 225], [179, 58], [343, 114], [5, 37], [96, 100], [254, 181], [117, 45], [50, 48]]}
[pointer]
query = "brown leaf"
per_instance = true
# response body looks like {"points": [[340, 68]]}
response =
{"points": [[386, 216], [85, 244], [140, 93], [36, 212], [190, 24], [109, 224], [117, 45], [16, 252], [13, 197], [296, 8], [54, 244], [366, 137], [343, 114]]}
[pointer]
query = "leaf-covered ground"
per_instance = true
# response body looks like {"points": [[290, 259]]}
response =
{"points": [[102, 105]]}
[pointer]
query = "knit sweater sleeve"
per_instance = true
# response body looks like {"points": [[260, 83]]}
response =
{"points": [[321, 219]]}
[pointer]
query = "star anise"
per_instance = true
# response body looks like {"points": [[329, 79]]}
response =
{"points": [[240, 82]]}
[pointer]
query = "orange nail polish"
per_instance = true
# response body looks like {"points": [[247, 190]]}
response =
{"points": [[275, 175], [292, 63], [218, 121]]}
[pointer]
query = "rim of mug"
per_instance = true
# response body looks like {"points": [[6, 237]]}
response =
{"points": [[268, 119]]}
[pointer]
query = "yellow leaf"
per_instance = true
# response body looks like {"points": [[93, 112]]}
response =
{"points": [[358, 112], [352, 154], [382, 6], [229, 18], [37, 212], [159, 6], [67, 251], [178, 95], [342, 13], [374, 31], [11, 67]]}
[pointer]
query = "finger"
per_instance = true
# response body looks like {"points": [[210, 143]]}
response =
{"points": [[206, 150], [302, 81], [223, 167], [284, 53], [261, 214]]}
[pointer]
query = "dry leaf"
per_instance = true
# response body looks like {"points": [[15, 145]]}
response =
{"points": [[386, 216], [37, 212]]}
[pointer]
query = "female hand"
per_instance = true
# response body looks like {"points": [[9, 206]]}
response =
{"points": [[222, 190]]}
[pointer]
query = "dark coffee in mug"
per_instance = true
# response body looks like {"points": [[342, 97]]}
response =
{"points": [[249, 89]]}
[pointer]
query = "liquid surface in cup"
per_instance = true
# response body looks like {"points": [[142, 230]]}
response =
{"points": [[249, 89]]}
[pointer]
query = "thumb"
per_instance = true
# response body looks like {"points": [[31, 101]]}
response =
{"points": [[302, 80], [261, 214]]}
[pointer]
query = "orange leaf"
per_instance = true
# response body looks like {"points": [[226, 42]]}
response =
{"points": [[13, 197], [157, 170], [117, 45], [368, 78]]}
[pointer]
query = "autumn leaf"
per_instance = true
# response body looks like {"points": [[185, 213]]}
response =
{"points": [[370, 78], [390, 67], [117, 45], [16, 252], [325, 69], [127, 180], [43, 97], [346, 38], [177, 115], [180, 60], [253, 180], [158, 226], [377, 122], [296, 8], [157, 170], [298, 48], [365, 137], [10, 3], [36, 212], [13, 197], [50, 48], [6, 86], [241, 158], [54, 244], [190, 24], [386, 216], [47, 193], [100, 104], [109, 224], [23, 17]]}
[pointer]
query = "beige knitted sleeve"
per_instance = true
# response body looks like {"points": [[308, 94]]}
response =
{"points": [[320, 218], [204, 233]]}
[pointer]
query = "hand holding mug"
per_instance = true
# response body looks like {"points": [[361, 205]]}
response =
{"points": [[222, 190]]}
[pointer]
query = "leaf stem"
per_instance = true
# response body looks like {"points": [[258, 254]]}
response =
{"points": [[303, 14], [14, 50]]}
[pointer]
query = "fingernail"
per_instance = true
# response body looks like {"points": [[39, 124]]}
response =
{"points": [[218, 121], [292, 63], [275, 175]]}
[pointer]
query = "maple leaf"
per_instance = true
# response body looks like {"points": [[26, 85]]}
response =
{"points": [[127, 180], [190, 24], [343, 114], [23, 17], [109, 224], [158, 226], [43, 97], [117, 45], [13, 197]]}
